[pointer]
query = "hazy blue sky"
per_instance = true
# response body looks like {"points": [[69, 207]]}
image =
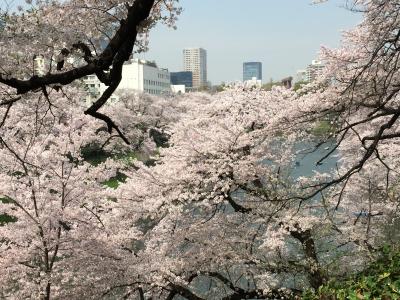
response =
{"points": [[285, 35]]}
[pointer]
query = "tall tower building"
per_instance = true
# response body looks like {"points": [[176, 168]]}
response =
{"points": [[195, 61], [251, 70]]}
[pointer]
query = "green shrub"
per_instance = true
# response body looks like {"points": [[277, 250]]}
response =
{"points": [[381, 280], [5, 218]]}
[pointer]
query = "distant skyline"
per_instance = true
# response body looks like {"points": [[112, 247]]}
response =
{"points": [[284, 35]]}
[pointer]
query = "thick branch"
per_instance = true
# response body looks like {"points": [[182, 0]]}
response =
{"points": [[137, 13], [182, 291], [315, 275]]}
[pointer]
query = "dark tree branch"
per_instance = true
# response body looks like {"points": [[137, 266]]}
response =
{"points": [[114, 55], [182, 291], [315, 275], [137, 13]]}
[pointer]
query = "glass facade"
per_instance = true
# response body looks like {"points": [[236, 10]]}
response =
{"points": [[179, 78], [252, 69]]}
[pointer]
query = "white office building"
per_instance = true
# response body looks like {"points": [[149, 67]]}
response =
{"points": [[195, 61], [137, 75], [314, 70], [145, 76]]}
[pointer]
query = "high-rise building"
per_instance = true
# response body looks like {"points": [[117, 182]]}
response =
{"points": [[251, 70], [182, 78], [195, 61], [314, 70]]}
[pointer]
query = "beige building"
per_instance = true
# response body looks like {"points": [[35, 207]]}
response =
{"points": [[195, 61]]}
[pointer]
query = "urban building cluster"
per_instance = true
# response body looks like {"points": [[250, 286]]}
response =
{"points": [[147, 77]]}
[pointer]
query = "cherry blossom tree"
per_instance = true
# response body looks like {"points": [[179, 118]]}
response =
{"points": [[62, 230], [213, 177], [216, 210], [358, 93], [221, 216], [144, 119], [359, 90], [57, 237], [221, 206], [69, 34]]}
